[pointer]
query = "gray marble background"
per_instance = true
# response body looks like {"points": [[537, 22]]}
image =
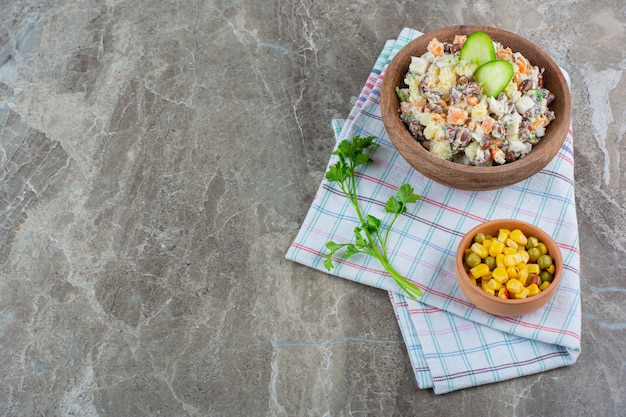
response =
{"points": [[157, 159]]}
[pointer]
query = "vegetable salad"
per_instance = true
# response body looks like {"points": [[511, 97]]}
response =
{"points": [[449, 112]]}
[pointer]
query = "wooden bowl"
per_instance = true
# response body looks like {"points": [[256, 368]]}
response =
{"points": [[501, 306], [457, 175]]}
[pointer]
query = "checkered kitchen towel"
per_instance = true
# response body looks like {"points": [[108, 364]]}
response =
{"points": [[451, 344]]}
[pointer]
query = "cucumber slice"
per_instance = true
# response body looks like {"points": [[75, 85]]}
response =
{"points": [[478, 49], [494, 76]]}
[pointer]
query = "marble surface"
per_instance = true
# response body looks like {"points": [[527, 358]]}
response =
{"points": [[158, 158]]}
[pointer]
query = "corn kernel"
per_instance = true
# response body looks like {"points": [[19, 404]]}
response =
{"points": [[544, 285], [493, 284], [523, 275], [500, 260], [480, 270], [503, 293], [533, 289], [503, 235], [487, 243], [525, 256], [496, 248], [509, 251], [512, 259], [519, 237], [510, 243], [500, 275], [533, 268], [487, 289], [511, 272], [514, 286], [522, 294], [480, 250], [551, 269]]}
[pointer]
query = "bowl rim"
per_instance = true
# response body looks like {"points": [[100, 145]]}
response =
{"points": [[543, 236], [406, 144]]}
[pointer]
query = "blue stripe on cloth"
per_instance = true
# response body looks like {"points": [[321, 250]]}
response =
{"points": [[451, 344]]}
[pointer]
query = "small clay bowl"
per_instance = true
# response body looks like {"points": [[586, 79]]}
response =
{"points": [[457, 175], [502, 306]]}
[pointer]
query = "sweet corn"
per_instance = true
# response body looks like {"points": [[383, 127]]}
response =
{"points": [[480, 250], [510, 243], [533, 268], [511, 272], [488, 291], [525, 256], [493, 284], [509, 251], [533, 289], [522, 294], [500, 275], [504, 269], [523, 275], [514, 286], [496, 248], [519, 237], [512, 259], [480, 270], [500, 260]]}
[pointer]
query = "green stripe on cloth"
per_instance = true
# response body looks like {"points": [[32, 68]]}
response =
{"points": [[451, 344]]}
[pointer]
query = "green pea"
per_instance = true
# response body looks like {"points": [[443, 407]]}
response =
{"points": [[533, 254], [479, 238], [472, 260], [542, 248], [544, 261], [546, 276], [532, 242], [491, 262]]}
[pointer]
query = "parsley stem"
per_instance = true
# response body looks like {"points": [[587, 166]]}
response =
{"points": [[352, 154], [408, 287]]}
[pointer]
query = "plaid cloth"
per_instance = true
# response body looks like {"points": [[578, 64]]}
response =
{"points": [[451, 344]]}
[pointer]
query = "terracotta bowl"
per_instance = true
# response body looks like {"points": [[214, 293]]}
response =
{"points": [[472, 177], [501, 306]]}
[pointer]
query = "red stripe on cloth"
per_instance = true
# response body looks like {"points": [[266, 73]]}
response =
{"points": [[569, 248], [348, 263], [422, 198], [499, 367], [541, 328]]}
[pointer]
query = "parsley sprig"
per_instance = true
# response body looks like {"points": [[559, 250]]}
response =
{"points": [[370, 236]]}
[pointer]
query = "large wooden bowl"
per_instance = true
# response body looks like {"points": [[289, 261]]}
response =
{"points": [[501, 306], [473, 177]]}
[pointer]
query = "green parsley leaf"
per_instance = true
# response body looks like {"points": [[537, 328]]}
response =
{"points": [[368, 239]]}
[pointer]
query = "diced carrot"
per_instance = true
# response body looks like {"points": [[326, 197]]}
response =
{"points": [[471, 100], [435, 47], [456, 116], [522, 65], [488, 124], [436, 118], [505, 53], [540, 121]]}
